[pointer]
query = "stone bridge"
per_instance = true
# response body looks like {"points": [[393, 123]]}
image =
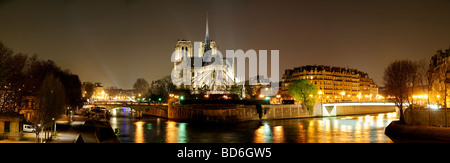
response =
{"points": [[236, 112], [139, 109]]}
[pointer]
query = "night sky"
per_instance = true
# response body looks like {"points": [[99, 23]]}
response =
{"points": [[117, 41]]}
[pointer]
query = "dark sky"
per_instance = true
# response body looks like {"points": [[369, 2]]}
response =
{"points": [[117, 41]]}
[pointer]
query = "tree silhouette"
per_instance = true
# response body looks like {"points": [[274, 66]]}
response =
{"points": [[398, 77]]}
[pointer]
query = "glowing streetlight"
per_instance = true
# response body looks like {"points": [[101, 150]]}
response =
{"points": [[342, 95], [225, 97]]}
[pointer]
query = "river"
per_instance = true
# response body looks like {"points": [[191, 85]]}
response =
{"points": [[340, 129]]}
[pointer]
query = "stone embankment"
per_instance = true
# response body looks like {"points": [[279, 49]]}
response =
{"points": [[397, 130], [421, 123], [241, 112]]}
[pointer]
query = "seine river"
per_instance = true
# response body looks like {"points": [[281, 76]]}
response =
{"points": [[341, 129]]}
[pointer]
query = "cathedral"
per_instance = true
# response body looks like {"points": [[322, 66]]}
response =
{"points": [[206, 76]]}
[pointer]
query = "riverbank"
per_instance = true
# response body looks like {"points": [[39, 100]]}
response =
{"points": [[241, 112], [397, 130], [83, 130]]}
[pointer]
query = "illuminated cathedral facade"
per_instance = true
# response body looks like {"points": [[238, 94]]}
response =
{"points": [[209, 77]]}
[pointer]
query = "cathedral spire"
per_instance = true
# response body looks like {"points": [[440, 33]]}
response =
{"points": [[207, 40], [207, 30]]}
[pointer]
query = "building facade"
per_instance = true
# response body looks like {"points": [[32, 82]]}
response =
{"points": [[334, 84], [201, 75], [11, 126], [439, 77]]}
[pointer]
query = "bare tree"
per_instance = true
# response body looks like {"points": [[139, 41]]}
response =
{"points": [[88, 89], [438, 81], [141, 86], [51, 102], [422, 73], [161, 88], [112, 91], [398, 77], [12, 79]]}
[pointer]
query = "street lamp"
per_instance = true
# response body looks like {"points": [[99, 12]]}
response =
{"points": [[38, 130], [54, 126], [320, 95], [342, 95], [279, 99], [261, 96], [359, 97]]}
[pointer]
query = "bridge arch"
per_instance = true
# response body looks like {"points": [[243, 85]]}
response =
{"points": [[138, 109]]}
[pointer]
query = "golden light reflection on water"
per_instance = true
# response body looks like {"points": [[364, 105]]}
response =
{"points": [[278, 134], [171, 132], [340, 129], [349, 129], [139, 134], [263, 134], [174, 133], [301, 134]]}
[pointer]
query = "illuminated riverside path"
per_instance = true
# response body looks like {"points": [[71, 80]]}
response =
{"points": [[339, 129]]}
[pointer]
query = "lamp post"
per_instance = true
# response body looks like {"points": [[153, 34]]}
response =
{"points": [[54, 126], [342, 95], [321, 100], [38, 130], [279, 99], [320, 95]]}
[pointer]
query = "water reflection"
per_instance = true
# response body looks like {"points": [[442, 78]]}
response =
{"points": [[263, 134], [121, 112], [172, 132], [139, 134], [278, 134], [176, 132], [349, 129]]}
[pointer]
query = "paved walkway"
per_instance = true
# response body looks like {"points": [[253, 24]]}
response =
{"points": [[65, 133], [27, 138], [71, 132]]}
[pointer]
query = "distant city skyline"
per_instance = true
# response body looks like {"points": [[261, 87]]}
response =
{"points": [[116, 42]]}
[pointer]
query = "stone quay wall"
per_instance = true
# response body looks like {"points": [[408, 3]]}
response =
{"points": [[240, 112], [235, 112], [355, 110], [152, 110], [422, 117], [213, 112]]}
